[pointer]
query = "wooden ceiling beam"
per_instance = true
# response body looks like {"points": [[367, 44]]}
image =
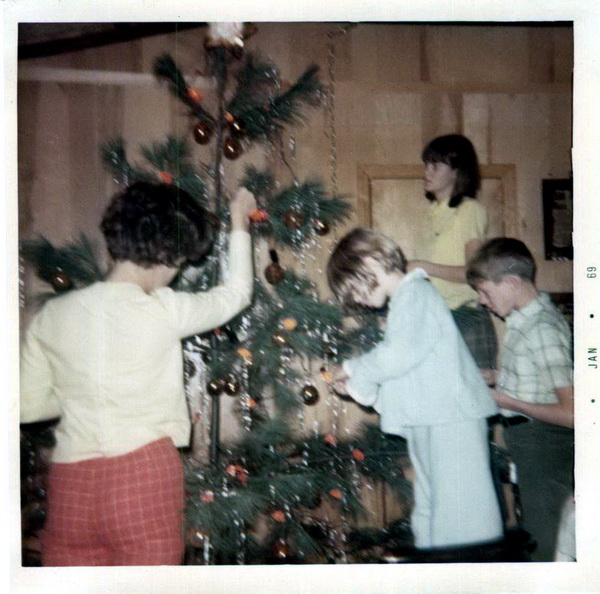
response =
{"points": [[48, 39]]}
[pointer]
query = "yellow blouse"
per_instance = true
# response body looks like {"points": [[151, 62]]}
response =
{"points": [[444, 235]]}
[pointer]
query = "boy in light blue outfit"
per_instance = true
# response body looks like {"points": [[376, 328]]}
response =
{"points": [[423, 382]]}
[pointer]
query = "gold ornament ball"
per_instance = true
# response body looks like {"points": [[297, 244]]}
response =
{"points": [[293, 220], [215, 387], [274, 273], [60, 281], [232, 149], [320, 226], [237, 128], [203, 132], [281, 550], [280, 338], [310, 395], [231, 385]]}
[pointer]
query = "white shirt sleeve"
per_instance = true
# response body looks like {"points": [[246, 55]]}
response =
{"points": [[193, 313], [38, 401]]}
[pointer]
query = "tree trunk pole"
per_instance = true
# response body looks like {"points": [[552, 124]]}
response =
{"points": [[220, 57]]}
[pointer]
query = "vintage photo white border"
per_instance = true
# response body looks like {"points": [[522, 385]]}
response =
{"points": [[581, 576]]}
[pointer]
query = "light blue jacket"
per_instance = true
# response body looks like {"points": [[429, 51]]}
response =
{"points": [[422, 372]]}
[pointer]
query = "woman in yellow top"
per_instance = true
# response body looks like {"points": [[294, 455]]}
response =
{"points": [[455, 226]]}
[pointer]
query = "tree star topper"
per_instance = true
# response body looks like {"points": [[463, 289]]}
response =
{"points": [[229, 35]]}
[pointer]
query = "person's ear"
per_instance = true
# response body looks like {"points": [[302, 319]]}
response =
{"points": [[513, 281]]}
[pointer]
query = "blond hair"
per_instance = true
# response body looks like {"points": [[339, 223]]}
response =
{"points": [[347, 270]]}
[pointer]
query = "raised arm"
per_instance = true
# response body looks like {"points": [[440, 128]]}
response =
{"points": [[241, 205], [194, 313], [412, 333]]}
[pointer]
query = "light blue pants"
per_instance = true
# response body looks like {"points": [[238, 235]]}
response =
{"points": [[455, 502]]}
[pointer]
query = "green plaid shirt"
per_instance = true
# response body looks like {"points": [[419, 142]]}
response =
{"points": [[536, 353]]}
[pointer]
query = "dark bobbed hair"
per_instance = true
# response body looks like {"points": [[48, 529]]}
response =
{"points": [[151, 224], [458, 152], [346, 269], [498, 258]]}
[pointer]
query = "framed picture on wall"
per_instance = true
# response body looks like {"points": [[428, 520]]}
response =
{"points": [[557, 195]]}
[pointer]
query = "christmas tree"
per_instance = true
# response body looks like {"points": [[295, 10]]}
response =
{"points": [[280, 491]]}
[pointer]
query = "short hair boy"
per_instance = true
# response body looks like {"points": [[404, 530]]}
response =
{"points": [[534, 386], [424, 383]]}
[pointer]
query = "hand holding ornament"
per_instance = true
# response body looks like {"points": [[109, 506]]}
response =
{"points": [[242, 205]]}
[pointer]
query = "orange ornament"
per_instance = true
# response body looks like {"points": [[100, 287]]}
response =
{"points": [[242, 474], [166, 177], [245, 354], [259, 215], [336, 494], [289, 323], [194, 94], [330, 439], [326, 375], [207, 496], [358, 454], [229, 117], [251, 402], [278, 516]]}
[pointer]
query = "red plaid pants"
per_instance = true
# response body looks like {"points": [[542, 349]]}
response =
{"points": [[122, 510]]}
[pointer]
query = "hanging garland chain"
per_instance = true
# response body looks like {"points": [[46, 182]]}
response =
{"points": [[22, 301], [331, 57]]}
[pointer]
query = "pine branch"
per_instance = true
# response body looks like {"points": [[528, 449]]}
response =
{"points": [[309, 203], [76, 260], [260, 183], [115, 161], [257, 82], [165, 68], [264, 122]]}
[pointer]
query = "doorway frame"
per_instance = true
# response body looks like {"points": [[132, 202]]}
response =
{"points": [[368, 173]]}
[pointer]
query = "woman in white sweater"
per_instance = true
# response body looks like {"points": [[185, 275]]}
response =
{"points": [[107, 361]]}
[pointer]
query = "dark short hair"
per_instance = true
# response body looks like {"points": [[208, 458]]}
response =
{"points": [[500, 257], [151, 224], [346, 268], [458, 152]]}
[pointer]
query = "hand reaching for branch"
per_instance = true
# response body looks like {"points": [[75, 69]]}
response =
{"points": [[241, 205]]}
